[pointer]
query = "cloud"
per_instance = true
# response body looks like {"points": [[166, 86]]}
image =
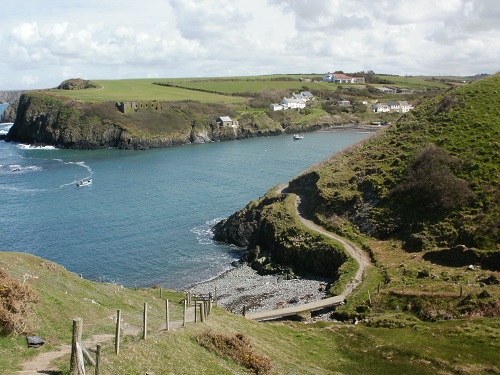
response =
{"points": [[170, 38]]}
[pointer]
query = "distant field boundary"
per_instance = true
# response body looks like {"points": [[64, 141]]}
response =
{"points": [[239, 94]]}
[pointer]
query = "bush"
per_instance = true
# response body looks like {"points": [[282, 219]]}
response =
{"points": [[430, 185], [238, 348], [16, 300]]}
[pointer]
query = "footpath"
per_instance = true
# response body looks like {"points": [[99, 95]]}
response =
{"points": [[354, 251]]}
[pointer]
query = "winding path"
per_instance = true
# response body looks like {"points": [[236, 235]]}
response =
{"points": [[354, 251]]}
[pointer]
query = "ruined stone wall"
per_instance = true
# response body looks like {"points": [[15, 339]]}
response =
{"points": [[129, 107]]}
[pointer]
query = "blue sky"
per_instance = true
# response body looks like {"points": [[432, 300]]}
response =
{"points": [[43, 42]]}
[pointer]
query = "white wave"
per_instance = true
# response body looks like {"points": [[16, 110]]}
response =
{"points": [[21, 168], [204, 233], [24, 146], [4, 128]]}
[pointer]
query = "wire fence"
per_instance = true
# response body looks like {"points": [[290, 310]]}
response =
{"points": [[134, 323]]}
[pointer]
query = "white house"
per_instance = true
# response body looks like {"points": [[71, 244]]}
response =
{"points": [[381, 108], [291, 103], [342, 78], [226, 121], [404, 107], [307, 95], [399, 106], [298, 96], [276, 107], [393, 106]]}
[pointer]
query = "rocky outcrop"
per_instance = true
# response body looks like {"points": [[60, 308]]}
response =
{"points": [[275, 245], [43, 118], [9, 114]]}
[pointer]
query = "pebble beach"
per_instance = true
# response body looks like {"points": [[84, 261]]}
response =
{"points": [[242, 286]]}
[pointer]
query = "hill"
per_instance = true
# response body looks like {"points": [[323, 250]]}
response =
{"points": [[394, 345], [144, 113], [422, 197], [430, 180]]}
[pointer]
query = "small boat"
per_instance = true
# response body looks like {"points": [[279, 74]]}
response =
{"points": [[83, 182], [298, 136]]}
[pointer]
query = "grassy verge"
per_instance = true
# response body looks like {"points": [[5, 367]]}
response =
{"points": [[411, 346], [64, 296]]}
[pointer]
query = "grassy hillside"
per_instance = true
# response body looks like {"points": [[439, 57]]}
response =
{"points": [[430, 180], [202, 89], [399, 343]]}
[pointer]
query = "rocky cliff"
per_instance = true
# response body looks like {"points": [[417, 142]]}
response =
{"points": [[46, 119], [276, 244]]}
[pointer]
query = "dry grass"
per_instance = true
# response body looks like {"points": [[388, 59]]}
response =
{"points": [[238, 348], [16, 302]]}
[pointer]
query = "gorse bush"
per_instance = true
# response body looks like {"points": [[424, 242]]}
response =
{"points": [[238, 348], [430, 184], [16, 300]]}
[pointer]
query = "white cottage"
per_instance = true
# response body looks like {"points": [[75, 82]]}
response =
{"points": [[291, 103]]}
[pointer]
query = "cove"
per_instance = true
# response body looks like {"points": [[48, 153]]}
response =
{"points": [[146, 218]]}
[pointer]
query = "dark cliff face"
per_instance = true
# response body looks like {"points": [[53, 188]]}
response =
{"points": [[43, 118], [274, 244]]}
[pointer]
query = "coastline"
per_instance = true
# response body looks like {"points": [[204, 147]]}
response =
{"points": [[243, 287]]}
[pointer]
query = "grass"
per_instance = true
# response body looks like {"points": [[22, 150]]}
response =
{"points": [[64, 296], [398, 343], [325, 348], [141, 89]]}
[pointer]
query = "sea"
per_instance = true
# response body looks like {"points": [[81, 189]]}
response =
{"points": [[147, 217]]}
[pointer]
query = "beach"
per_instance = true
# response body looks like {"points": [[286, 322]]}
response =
{"points": [[242, 286]]}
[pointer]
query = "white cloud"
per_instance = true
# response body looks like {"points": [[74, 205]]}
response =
{"points": [[58, 39]]}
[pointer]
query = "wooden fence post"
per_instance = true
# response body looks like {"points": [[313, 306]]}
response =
{"points": [[461, 291], [189, 298], [209, 305], [378, 288], [77, 336], [167, 316], [202, 312], [97, 359], [160, 292], [215, 296], [117, 332], [145, 322], [184, 314], [244, 310]]}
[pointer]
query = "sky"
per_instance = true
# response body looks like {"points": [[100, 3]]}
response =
{"points": [[43, 42]]}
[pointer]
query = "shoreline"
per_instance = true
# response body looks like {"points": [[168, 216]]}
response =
{"points": [[242, 286]]}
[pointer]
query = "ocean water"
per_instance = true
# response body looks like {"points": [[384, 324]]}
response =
{"points": [[146, 218], [3, 107]]}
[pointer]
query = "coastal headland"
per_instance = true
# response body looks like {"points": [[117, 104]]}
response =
{"points": [[143, 114]]}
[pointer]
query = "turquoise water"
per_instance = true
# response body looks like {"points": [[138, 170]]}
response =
{"points": [[146, 218]]}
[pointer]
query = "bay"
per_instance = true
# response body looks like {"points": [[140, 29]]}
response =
{"points": [[146, 218]]}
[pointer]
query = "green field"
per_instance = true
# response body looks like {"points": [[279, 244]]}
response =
{"points": [[141, 90], [217, 90]]}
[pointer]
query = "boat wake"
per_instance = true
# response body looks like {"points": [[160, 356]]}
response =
{"points": [[81, 164]]}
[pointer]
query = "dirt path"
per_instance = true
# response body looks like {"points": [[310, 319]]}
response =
{"points": [[354, 251], [41, 364]]}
